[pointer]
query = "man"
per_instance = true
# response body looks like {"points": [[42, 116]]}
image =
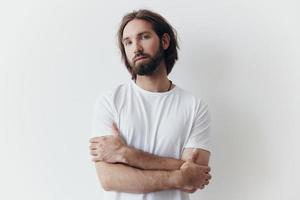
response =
{"points": [[151, 138]]}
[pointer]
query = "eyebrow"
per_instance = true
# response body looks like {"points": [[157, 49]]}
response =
{"points": [[139, 34]]}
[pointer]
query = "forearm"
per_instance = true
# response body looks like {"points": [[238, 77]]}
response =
{"points": [[122, 178], [147, 161]]}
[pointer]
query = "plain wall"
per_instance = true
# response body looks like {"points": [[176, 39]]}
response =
{"points": [[241, 56]]}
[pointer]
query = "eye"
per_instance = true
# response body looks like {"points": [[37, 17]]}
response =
{"points": [[145, 36], [127, 42]]}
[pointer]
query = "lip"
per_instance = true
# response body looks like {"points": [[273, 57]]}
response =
{"points": [[139, 58]]}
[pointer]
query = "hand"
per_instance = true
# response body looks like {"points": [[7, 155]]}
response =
{"points": [[108, 148], [194, 176]]}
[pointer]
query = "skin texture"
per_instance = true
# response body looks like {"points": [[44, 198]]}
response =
{"points": [[112, 149], [126, 169], [187, 174]]}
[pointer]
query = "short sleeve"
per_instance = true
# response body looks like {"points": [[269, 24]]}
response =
{"points": [[103, 116], [200, 132]]}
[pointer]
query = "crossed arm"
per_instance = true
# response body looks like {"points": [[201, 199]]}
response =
{"points": [[125, 169]]}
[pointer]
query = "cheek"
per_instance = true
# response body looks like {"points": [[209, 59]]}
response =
{"points": [[129, 55], [151, 47]]}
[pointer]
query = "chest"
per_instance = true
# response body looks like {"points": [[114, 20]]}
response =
{"points": [[161, 129]]}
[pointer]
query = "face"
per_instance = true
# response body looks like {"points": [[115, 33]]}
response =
{"points": [[144, 51]]}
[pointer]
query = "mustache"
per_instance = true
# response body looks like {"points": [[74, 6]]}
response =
{"points": [[140, 55]]}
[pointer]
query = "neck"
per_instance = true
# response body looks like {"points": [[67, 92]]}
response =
{"points": [[157, 82]]}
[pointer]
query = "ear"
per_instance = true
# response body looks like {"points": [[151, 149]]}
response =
{"points": [[165, 41]]}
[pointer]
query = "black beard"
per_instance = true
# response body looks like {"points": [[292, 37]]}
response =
{"points": [[148, 67]]}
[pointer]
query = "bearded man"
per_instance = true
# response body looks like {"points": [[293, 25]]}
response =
{"points": [[150, 137]]}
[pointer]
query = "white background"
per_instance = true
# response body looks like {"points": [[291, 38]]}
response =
{"points": [[241, 56]]}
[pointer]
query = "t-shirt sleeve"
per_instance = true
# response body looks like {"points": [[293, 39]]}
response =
{"points": [[200, 133], [103, 116]]}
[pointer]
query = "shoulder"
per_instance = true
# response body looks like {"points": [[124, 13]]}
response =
{"points": [[113, 95], [189, 98]]}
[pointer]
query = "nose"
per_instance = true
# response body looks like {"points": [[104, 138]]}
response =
{"points": [[137, 48]]}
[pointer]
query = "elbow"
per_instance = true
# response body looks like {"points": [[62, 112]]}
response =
{"points": [[103, 176], [106, 187], [106, 184], [105, 181]]}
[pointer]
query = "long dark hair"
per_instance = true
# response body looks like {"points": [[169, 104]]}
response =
{"points": [[160, 26]]}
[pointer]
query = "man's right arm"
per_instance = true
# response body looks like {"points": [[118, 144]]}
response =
{"points": [[123, 178], [112, 149]]}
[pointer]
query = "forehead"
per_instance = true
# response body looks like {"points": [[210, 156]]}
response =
{"points": [[136, 26]]}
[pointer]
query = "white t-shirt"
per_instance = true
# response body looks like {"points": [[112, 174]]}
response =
{"points": [[161, 123]]}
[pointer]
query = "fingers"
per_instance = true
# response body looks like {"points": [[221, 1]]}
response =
{"points": [[208, 176], [98, 145], [208, 169], [115, 130], [206, 179], [95, 139], [95, 156], [95, 159], [94, 153], [206, 182], [94, 146]]}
